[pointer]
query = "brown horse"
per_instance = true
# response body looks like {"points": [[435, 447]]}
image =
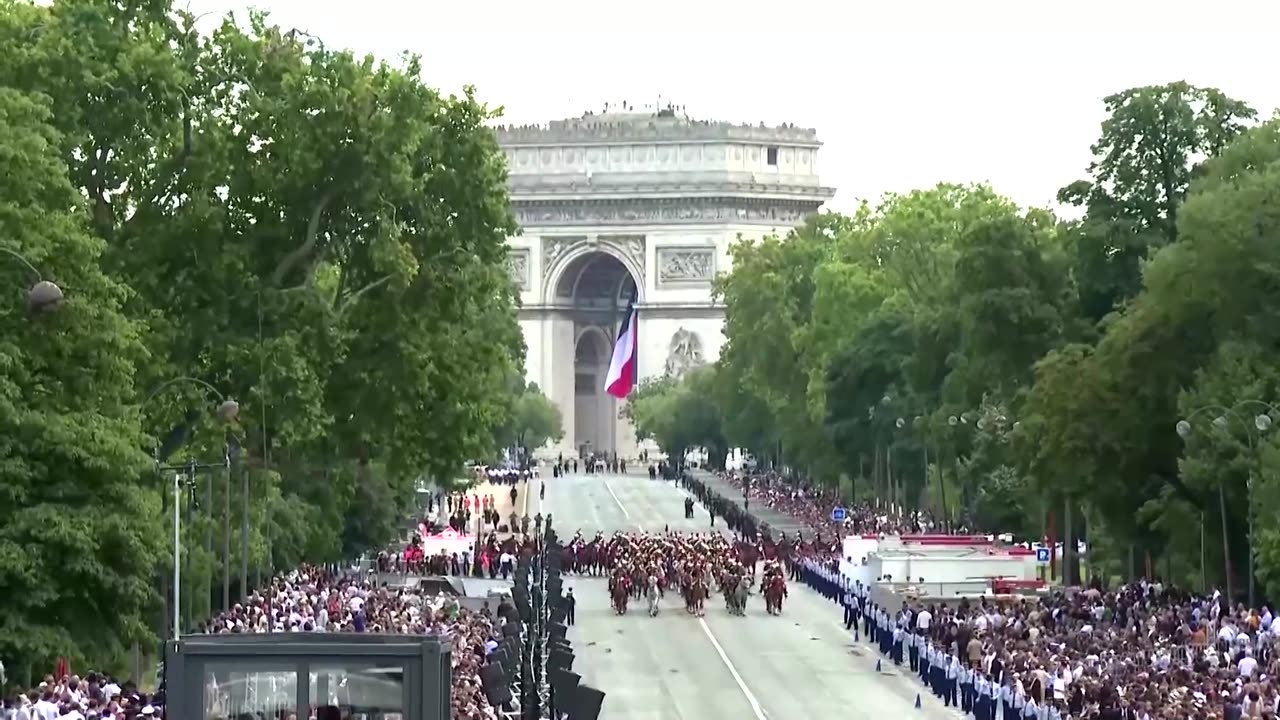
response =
{"points": [[696, 595], [620, 594], [773, 594]]}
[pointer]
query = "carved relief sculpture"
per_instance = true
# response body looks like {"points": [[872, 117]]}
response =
{"points": [[635, 249], [631, 245], [518, 266], [684, 354], [686, 265], [554, 248]]}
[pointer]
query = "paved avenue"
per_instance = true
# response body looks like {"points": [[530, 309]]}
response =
{"points": [[800, 666]]}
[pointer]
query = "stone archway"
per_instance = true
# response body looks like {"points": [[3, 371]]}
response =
{"points": [[592, 406], [565, 260], [593, 290]]}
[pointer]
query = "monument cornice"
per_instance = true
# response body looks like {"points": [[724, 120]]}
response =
{"points": [[673, 210], [535, 311], [552, 141], [523, 190], [577, 133]]}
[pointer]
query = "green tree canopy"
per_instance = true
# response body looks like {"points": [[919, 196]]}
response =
{"points": [[315, 233], [946, 348], [534, 422], [680, 415], [77, 540]]}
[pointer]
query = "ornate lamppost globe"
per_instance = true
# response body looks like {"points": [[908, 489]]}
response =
{"points": [[229, 410], [900, 423], [886, 400], [44, 297], [1017, 424], [953, 421], [1262, 422], [1184, 428], [1220, 422]]}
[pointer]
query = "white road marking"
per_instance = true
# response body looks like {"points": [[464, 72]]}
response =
{"points": [[733, 671], [614, 495]]}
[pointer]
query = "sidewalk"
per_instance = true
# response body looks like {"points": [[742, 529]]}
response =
{"points": [[778, 521], [501, 495]]}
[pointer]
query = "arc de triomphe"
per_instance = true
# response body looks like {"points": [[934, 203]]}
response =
{"points": [[646, 206]]}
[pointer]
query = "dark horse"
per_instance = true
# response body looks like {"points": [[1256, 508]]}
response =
{"points": [[619, 592]]}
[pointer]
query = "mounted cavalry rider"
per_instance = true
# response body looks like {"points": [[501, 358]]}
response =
{"points": [[653, 594]]}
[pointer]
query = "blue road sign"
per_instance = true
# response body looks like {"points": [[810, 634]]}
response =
{"points": [[1042, 555], [837, 514]]}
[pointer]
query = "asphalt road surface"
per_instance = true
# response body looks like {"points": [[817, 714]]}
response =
{"points": [[778, 521], [800, 666]]}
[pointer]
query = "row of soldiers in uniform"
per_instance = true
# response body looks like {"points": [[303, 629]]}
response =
{"points": [[985, 691], [662, 470], [739, 521], [591, 464]]}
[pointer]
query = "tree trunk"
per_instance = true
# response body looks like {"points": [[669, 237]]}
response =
{"points": [[1226, 544], [1070, 562]]}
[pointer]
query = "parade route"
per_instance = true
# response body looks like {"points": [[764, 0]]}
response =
{"points": [[778, 521], [798, 666]]}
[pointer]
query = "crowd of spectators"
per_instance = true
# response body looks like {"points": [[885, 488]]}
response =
{"points": [[96, 696], [1141, 651], [308, 600], [812, 506], [305, 600], [414, 559]]}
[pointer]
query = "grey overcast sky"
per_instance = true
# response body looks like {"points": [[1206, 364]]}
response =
{"points": [[905, 93]]}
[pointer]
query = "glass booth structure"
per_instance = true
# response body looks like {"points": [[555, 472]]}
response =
{"points": [[292, 676]]}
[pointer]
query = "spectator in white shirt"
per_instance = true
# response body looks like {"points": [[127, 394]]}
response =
{"points": [[1247, 665], [923, 619], [45, 708]]}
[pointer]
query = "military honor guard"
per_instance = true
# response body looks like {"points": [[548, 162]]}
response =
{"points": [[925, 653], [913, 651], [966, 689], [883, 633], [984, 707], [1006, 701], [951, 685], [850, 604]]}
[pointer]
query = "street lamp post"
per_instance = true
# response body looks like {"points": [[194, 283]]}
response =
{"points": [[989, 419], [227, 411], [43, 296], [921, 424], [183, 479], [954, 422], [1254, 428], [881, 470], [918, 425]]}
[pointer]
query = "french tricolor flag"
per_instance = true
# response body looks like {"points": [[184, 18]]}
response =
{"points": [[622, 366]]}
